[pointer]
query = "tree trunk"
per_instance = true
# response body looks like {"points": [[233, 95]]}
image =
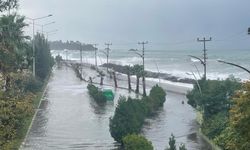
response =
{"points": [[137, 84], [144, 86], [115, 79], [129, 81], [101, 83], [90, 80]]}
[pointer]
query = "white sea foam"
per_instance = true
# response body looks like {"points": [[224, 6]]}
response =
{"points": [[178, 72], [171, 83], [194, 60]]}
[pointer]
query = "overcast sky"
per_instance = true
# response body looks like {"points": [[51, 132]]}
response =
{"points": [[171, 24]]}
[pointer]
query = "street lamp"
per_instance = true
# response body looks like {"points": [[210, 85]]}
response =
{"points": [[51, 32], [33, 43], [192, 74], [202, 62], [232, 64], [43, 25], [143, 66]]}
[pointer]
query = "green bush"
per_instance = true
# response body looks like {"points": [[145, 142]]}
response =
{"points": [[13, 114], [129, 118], [215, 96], [172, 145], [32, 85], [130, 114], [136, 142], [96, 94], [158, 96], [214, 103], [214, 125]]}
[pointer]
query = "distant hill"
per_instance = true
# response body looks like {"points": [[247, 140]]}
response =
{"points": [[70, 45]]}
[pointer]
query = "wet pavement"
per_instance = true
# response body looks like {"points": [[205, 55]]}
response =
{"points": [[69, 119]]}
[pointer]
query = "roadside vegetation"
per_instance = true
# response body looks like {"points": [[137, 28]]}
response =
{"points": [[224, 105], [136, 142], [172, 144], [130, 114], [19, 89], [96, 94]]}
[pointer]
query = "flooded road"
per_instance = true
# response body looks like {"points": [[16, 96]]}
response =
{"points": [[69, 119], [177, 119]]}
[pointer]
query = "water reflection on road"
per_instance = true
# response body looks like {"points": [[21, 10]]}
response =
{"points": [[69, 119], [174, 118]]}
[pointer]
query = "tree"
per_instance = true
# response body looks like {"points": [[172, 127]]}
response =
{"points": [[240, 117], [215, 97], [172, 145], [128, 71], [128, 118], [138, 71], [44, 60], [13, 45], [182, 147], [8, 4], [136, 142]]}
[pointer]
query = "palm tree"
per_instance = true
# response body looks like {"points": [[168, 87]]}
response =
{"points": [[12, 45], [8, 5], [138, 71]]}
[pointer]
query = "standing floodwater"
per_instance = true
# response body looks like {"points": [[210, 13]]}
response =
{"points": [[69, 119], [178, 119]]}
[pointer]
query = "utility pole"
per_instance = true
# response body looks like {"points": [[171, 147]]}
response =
{"points": [[107, 52], [143, 65], [81, 53], [81, 49], [204, 40], [95, 53]]}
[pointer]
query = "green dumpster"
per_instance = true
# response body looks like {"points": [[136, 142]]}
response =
{"points": [[108, 94]]}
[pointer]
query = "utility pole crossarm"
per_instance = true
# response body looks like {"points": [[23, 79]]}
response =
{"points": [[221, 61]]}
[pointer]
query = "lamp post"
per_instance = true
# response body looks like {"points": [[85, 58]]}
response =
{"points": [[51, 33], [192, 74], [33, 43], [232, 64], [43, 25]]}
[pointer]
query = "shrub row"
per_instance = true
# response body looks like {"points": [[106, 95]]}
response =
{"points": [[136, 142], [16, 109], [214, 101], [96, 94], [130, 114]]}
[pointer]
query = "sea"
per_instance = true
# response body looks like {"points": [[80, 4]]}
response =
{"points": [[175, 62]]}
